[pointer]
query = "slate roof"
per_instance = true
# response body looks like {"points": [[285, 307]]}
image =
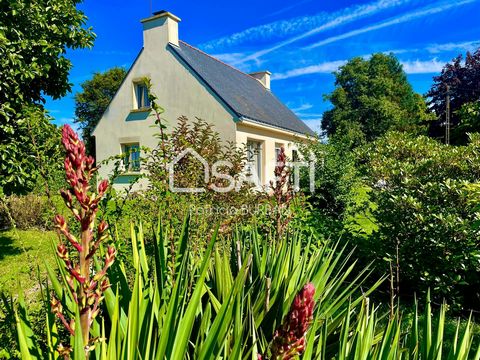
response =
{"points": [[242, 93]]}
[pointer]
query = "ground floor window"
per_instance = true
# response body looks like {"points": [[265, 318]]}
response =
{"points": [[254, 158], [131, 159], [278, 150]]}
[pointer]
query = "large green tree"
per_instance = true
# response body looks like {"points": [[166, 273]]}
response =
{"points": [[93, 100], [34, 38], [371, 97]]}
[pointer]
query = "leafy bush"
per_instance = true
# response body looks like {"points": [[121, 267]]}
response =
{"points": [[26, 211], [31, 211], [336, 179], [422, 191]]}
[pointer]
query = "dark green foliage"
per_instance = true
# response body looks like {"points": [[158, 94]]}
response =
{"points": [[372, 97], [336, 177], [93, 100], [32, 156], [463, 80], [469, 122], [425, 211], [34, 38]]}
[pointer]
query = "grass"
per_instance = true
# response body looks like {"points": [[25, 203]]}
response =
{"points": [[21, 254]]}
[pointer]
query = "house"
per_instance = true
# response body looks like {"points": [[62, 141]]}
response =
{"points": [[189, 82]]}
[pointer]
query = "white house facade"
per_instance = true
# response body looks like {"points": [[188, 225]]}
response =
{"points": [[188, 82]]}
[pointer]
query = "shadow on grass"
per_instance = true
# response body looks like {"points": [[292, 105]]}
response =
{"points": [[8, 247]]}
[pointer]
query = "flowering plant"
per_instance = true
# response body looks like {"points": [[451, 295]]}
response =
{"points": [[85, 285]]}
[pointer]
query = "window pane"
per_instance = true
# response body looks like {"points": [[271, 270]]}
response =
{"points": [[131, 160], [294, 155], [138, 90], [135, 157], [254, 158], [126, 159], [146, 100]]}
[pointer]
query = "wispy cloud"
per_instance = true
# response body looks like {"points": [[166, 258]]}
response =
{"points": [[426, 11], [305, 26], [459, 46], [287, 9], [302, 108], [409, 66], [229, 57], [323, 68]]}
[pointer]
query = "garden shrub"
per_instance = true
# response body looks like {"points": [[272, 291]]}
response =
{"points": [[27, 211], [31, 211], [423, 196]]}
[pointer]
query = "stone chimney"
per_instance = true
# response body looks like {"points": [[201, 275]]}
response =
{"points": [[160, 30], [263, 77]]}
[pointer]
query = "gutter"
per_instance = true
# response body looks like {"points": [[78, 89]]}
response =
{"points": [[259, 125]]}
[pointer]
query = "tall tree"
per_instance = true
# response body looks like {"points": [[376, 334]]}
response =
{"points": [[462, 79], [93, 100], [372, 97], [34, 38]]}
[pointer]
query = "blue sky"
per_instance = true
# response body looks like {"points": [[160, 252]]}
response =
{"points": [[301, 43]]}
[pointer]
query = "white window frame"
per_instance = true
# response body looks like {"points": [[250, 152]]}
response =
{"points": [[140, 100]]}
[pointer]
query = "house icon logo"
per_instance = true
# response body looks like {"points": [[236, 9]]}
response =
{"points": [[176, 160]]}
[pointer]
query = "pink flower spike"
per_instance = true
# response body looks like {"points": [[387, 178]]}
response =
{"points": [[289, 341], [102, 187]]}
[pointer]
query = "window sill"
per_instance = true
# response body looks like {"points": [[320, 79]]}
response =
{"points": [[141, 110], [131, 173]]}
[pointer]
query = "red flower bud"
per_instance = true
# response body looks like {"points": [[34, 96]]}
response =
{"points": [[67, 197], [81, 279], [62, 251], [102, 227], [102, 187], [60, 221], [289, 341]]}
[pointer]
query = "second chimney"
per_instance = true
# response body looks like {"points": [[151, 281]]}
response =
{"points": [[263, 77], [160, 29]]}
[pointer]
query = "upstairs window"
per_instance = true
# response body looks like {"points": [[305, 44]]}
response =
{"points": [[141, 96], [131, 161]]}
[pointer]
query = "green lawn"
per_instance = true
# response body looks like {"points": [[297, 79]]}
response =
{"points": [[21, 253]]}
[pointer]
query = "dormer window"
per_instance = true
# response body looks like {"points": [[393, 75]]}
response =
{"points": [[141, 96]]}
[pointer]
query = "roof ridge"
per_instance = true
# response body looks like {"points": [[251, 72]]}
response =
{"points": [[218, 60]]}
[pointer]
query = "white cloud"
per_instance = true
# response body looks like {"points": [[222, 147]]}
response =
{"points": [[309, 25], [288, 8], [229, 57], [323, 68], [460, 46], [422, 67], [409, 66], [302, 108], [430, 10]]}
